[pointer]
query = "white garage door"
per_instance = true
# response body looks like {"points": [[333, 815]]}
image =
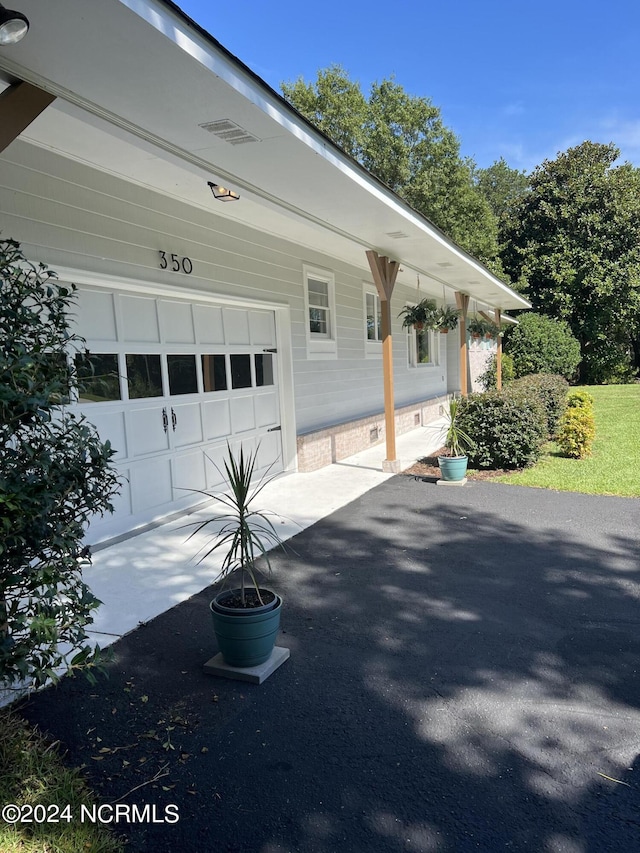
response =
{"points": [[169, 382]]}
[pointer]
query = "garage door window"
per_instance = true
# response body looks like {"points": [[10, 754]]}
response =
{"points": [[144, 376], [97, 376], [214, 372], [182, 374], [264, 369], [241, 371]]}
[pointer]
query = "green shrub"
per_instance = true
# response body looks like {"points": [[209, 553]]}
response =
{"points": [[579, 399], [577, 431], [606, 362], [488, 379], [55, 474], [552, 391], [508, 427], [540, 344]]}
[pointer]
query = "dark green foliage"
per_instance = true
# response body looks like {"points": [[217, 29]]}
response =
{"points": [[552, 391], [573, 240], [489, 379], [55, 474], [501, 186], [402, 140], [607, 362], [508, 427], [540, 344]]}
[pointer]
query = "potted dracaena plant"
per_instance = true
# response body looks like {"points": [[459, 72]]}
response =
{"points": [[453, 463], [246, 618], [420, 316]]}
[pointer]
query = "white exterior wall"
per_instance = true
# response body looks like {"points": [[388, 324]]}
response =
{"points": [[69, 215]]}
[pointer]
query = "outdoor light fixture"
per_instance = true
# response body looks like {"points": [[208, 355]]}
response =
{"points": [[222, 193], [13, 26]]}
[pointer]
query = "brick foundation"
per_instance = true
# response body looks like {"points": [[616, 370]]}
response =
{"points": [[324, 446]]}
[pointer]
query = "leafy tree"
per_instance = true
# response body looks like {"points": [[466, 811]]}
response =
{"points": [[54, 474], [540, 344], [501, 186], [574, 238], [402, 140], [335, 105]]}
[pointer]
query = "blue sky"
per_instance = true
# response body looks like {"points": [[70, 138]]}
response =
{"points": [[519, 80]]}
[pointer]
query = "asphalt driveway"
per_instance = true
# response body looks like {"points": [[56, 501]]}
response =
{"points": [[464, 675]]}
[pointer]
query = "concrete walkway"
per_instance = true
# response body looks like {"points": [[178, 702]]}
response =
{"points": [[143, 576]]}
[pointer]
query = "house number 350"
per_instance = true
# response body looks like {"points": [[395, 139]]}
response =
{"points": [[175, 263]]}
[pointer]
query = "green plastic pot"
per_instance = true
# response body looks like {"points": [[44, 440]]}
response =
{"points": [[453, 468], [246, 636]]}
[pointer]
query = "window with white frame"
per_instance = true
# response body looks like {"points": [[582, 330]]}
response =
{"points": [[320, 308], [423, 348], [372, 320]]}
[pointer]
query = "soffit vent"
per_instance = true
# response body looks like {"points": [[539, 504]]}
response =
{"points": [[229, 131], [445, 264], [396, 235]]}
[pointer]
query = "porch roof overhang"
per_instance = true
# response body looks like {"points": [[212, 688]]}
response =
{"points": [[136, 80]]}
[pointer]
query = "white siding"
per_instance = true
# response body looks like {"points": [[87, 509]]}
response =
{"points": [[69, 215]]}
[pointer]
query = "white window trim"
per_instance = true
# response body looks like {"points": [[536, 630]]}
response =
{"points": [[434, 350], [372, 349], [321, 346]]}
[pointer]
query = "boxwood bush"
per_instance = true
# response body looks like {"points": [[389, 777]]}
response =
{"points": [[540, 344], [552, 389], [508, 427]]}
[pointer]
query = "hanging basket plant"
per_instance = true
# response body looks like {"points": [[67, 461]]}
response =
{"points": [[493, 330], [447, 318], [477, 327], [420, 316]]}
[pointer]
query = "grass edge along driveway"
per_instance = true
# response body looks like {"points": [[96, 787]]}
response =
{"points": [[614, 465]]}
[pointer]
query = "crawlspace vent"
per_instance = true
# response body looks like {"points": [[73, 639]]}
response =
{"points": [[229, 131]]}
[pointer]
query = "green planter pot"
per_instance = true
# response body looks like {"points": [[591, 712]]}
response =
{"points": [[453, 468], [246, 636]]}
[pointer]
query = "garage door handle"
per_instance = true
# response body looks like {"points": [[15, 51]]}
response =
{"points": [[174, 420], [274, 429], [165, 420]]}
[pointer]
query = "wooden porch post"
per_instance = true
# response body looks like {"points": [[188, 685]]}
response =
{"points": [[462, 303], [384, 274], [498, 353], [20, 104]]}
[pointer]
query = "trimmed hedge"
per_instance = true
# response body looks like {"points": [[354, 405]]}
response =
{"points": [[508, 427], [540, 344], [577, 425], [577, 431], [551, 388]]}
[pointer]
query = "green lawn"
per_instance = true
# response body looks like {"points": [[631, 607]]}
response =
{"points": [[33, 777], [614, 466]]}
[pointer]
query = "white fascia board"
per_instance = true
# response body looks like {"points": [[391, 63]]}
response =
{"points": [[204, 51]]}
